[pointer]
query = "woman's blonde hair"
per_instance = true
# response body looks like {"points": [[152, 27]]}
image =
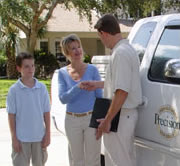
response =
{"points": [[68, 40]]}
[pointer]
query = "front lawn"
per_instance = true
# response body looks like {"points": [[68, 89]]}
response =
{"points": [[5, 84]]}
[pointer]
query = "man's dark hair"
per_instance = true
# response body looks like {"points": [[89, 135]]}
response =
{"points": [[108, 23], [21, 56]]}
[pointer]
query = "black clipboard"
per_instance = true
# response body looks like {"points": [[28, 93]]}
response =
{"points": [[100, 109]]}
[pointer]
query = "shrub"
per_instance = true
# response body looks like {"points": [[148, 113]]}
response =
{"points": [[3, 63], [87, 58], [46, 63]]}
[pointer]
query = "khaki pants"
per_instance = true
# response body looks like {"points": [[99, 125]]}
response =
{"points": [[119, 147], [30, 151], [84, 149]]}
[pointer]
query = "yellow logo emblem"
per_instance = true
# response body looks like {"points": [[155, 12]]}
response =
{"points": [[167, 122]]}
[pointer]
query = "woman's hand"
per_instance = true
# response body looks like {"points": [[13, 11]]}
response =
{"points": [[88, 85]]}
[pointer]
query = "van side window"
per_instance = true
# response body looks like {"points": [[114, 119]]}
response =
{"points": [[142, 37], [168, 48]]}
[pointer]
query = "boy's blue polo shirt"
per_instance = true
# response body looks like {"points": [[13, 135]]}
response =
{"points": [[29, 105]]}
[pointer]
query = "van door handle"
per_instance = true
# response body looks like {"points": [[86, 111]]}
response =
{"points": [[144, 102]]}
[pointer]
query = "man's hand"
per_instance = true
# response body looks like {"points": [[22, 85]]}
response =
{"points": [[46, 140], [16, 145], [88, 85], [104, 127], [99, 133]]}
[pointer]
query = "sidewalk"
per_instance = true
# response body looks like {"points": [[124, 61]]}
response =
{"points": [[57, 151]]}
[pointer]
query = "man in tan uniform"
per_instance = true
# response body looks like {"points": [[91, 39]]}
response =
{"points": [[122, 85]]}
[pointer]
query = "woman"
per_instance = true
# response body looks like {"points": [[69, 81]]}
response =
{"points": [[84, 149]]}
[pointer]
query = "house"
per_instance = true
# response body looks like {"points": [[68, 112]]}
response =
{"points": [[64, 22]]}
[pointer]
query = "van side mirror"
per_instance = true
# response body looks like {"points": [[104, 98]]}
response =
{"points": [[172, 70]]}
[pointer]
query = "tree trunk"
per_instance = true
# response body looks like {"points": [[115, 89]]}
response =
{"points": [[11, 63], [31, 43]]}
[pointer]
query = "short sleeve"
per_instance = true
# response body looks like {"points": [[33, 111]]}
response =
{"points": [[46, 103], [97, 77], [121, 72], [10, 101]]}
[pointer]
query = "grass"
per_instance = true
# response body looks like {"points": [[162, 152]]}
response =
{"points": [[4, 87]]}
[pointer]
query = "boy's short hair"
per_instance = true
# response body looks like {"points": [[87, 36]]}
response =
{"points": [[68, 40], [21, 56], [108, 23]]}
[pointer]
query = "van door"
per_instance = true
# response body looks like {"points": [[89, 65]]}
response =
{"points": [[158, 138]]}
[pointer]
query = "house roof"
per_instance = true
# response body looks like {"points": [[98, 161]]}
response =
{"points": [[64, 20]]}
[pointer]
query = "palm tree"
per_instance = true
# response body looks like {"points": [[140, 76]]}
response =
{"points": [[9, 36]]}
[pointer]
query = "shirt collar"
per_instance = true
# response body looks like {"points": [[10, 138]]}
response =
{"points": [[36, 85], [119, 43]]}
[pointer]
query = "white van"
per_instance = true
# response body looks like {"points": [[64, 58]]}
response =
{"points": [[157, 41]]}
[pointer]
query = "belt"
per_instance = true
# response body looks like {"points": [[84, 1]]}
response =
{"points": [[79, 114]]}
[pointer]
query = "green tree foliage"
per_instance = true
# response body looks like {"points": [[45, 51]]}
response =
{"points": [[172, 4], [31, 16], [87, 58], [27, 16], [46, 63], [9, 38], [135, 8], [3, 62]]}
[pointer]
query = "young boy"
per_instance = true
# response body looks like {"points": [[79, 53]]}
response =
{"points": [[28, 109]]}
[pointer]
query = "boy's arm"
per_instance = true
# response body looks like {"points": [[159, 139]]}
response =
{"points": [[46, 139], [12, 125]]}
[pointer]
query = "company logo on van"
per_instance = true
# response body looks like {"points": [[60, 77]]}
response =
{"points": [[167, 122]]}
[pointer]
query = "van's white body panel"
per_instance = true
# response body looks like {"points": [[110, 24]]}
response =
{"points": [[157, 144], [154, 148]]}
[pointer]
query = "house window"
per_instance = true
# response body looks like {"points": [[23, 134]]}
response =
{"points": [[44, 46], [57, 48], [58, 52]]}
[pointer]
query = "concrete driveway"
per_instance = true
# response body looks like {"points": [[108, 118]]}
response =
{"points": [[57, 151]]}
